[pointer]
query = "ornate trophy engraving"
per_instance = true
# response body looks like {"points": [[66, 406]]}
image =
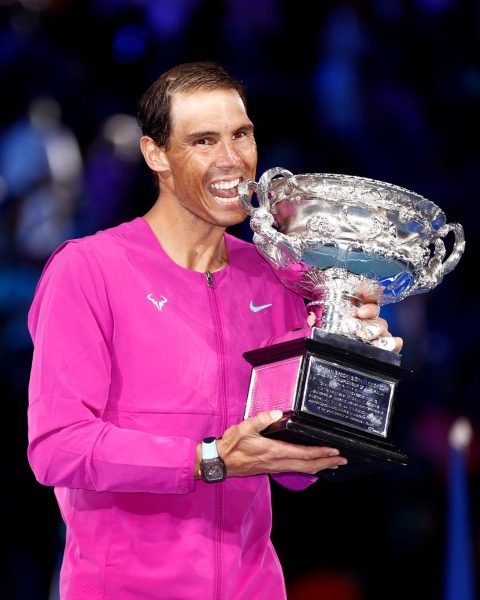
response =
{"points": [[338, 240]]}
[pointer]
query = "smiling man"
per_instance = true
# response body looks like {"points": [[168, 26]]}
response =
{"points": [[211, 148], [138, 384]]}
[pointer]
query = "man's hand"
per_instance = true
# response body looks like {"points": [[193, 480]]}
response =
{"points": [[375, 329], [369, 326], [246, 452]]}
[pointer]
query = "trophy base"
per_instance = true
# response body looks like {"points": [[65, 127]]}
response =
{"points": [[334, 391], [366, 456]]}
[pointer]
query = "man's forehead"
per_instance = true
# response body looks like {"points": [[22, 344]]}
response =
{"points": [[211, 106]]}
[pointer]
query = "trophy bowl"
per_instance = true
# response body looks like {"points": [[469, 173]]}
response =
{"points": [[338, 241], [335, 238]]}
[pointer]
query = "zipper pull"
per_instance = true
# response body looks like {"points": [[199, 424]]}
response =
{"points": [[210, 281]]}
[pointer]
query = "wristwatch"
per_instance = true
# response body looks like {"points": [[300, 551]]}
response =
{"points": [[212, 467]]}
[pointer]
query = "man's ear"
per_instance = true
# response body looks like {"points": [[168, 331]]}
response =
{"points": [[155, 156]]}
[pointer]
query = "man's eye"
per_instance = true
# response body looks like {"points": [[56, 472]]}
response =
{"points": [[204, 142], [240, 134]]}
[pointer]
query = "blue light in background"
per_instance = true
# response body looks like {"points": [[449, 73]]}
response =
{"points": [[168, 18], [9, 47], [388, 9], [129, 44], [434, 6], [459, 576]]}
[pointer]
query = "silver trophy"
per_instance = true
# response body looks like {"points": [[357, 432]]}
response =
{"points": [[338, 241]]}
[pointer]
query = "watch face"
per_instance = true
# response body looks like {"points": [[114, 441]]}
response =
{"points": [[213, 471]]}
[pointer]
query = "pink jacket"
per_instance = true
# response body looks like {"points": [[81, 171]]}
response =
{"points": [[136, 360]]}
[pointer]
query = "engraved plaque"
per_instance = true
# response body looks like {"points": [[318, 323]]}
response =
{"points": [[348, 396]]}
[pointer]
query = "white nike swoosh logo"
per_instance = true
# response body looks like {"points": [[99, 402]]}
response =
{"points": [[258, 308]]}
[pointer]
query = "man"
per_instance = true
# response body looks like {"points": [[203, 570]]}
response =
{"points": [[139, 333]]}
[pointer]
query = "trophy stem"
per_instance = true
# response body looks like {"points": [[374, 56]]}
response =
{"points": [[335, 301]]}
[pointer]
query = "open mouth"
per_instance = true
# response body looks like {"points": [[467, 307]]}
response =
{"points": [[225, 191]]}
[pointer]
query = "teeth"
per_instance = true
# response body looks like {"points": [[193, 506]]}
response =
{"points": [[225, 185], [227, 200]]}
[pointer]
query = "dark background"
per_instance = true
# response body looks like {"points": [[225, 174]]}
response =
{"points": [[386, 89]]}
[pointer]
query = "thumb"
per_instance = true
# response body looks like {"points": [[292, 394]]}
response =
{"points": [[264, 419]]}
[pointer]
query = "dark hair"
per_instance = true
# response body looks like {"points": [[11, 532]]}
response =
{"points": [[154, 107]]}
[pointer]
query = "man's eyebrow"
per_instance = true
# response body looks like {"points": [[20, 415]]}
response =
{"points": [[248, 127], [198, 135]]}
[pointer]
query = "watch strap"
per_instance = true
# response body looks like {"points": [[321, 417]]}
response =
{"points": [[212, 467], [209, 448]]}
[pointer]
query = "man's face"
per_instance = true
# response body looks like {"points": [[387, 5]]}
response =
{"points": [[211, 149]]}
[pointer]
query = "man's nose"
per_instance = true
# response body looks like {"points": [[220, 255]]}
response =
{"points": [[227, 154]]}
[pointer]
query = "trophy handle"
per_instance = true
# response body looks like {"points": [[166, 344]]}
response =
{"points": [[274, 245], [458, 246], [437, 267], [244, 196]]}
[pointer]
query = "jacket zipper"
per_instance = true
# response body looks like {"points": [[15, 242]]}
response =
{"points": [[217, 322], [209, 277]]}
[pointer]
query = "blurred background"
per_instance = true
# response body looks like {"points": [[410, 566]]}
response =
{"points": [[386, 89]]}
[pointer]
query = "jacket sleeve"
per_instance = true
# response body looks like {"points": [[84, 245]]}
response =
{"points": [[294, 481], [70, 445]]}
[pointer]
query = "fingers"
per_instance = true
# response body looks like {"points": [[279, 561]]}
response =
{"points": [[314, 466], [368, 311], [246, 452], [375, 329], [371, 329], [367, 329], [389, 342], [297, 458], [261, 421], [299, 452]]}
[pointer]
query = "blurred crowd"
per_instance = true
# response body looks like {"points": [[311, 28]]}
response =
{"points": [[386, 89]]}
